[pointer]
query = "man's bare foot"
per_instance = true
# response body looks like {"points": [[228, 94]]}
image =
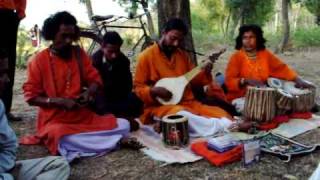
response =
{"points": [[157, 127], [243, 126], [134, 125], [131, 143]]}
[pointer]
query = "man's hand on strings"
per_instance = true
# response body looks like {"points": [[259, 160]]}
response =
{"points": [[161, 92]]}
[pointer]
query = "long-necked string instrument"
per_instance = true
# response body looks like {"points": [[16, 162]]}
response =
{"points": [[177, 85]]}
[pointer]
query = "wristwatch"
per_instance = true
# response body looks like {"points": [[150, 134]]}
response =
{"points": [[242, 81]]}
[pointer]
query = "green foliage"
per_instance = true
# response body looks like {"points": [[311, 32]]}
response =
{"points": [[207, 16], [251, 11], [133, 5], [215, 8], [306, 37], [314, 7]]}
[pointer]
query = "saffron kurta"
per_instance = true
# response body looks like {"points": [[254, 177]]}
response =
{"points": [[264, 66], [152, 66], [50, 76]]}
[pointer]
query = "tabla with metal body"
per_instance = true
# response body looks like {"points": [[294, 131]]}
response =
{"points": [[304, 99], [304, 102], [284, 102], [175, 131], [260, 104]]}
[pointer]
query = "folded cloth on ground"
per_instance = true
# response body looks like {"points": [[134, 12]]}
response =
{"points": [[215, 158], [300, 115], [274, 123], [155, 148]]}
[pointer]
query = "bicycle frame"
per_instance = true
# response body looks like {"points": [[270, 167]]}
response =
{"points": [[102, 27]]}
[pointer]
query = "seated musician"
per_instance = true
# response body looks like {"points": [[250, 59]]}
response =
{"points": [[252, 64], [114, 68], [65, 124], [165, 59]]}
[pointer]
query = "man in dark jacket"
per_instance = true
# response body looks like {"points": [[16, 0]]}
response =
{"points": [[114, 68]]}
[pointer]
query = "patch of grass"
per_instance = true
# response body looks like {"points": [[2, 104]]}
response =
{"points": [[306, 37], [205, 41]]}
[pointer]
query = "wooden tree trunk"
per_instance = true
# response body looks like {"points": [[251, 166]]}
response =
{"points": [[90, 11], [168, 9], [296, 16], [285, 27]]}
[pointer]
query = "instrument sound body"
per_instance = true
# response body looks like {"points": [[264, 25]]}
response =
{"points": [[175, 132], [260, 104], [177, 85]]}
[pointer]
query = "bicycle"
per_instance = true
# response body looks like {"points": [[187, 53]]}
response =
{"points": [[103, 23]]}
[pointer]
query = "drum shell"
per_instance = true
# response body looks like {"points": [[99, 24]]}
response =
{"points": [[175, 132], [304, 102], [284, 102], [260, 104]]}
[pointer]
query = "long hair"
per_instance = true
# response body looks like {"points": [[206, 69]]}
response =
{"points": [[256, 30], [52, 24]]}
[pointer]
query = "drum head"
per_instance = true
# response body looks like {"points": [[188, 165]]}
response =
{"points": [[289, 86], [174, 118], [275, 83], [284, 93]]}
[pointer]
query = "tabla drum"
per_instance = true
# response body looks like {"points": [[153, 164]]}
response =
{"points": [[260, 104], [304, 102], [304, 99], [175, 131], [284, 102]]}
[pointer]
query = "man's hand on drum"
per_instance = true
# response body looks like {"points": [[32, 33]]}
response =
{"points": [[252, 82], [300, 83], [161, 92]]}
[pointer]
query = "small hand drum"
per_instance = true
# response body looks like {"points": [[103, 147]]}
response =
{"points": [[175, 131]]}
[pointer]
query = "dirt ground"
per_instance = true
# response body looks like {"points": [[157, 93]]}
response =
{"points": [[127, 164]]}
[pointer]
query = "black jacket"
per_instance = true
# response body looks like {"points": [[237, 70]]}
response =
{"points": [[116, 76]]}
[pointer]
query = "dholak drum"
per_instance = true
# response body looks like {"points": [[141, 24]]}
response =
{"points": [[260, 104], [284, 101], [175, 131]]}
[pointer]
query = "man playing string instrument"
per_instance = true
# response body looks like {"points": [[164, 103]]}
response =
{"points": [[165, 59]]}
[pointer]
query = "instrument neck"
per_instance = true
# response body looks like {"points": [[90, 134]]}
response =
{"points": [[195, 71]]}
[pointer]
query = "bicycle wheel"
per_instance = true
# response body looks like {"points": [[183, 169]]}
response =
{"points": [[90, 41]]}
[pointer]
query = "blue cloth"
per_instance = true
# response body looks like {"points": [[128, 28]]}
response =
{"points": [[8, 146], [219, 79]]}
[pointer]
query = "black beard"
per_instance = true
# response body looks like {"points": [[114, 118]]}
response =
{"points": [[168, 50], [65, 52]]}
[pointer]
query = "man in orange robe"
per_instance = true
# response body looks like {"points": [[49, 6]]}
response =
{"points": [[54, 84], [253, 64], [165, 59]]}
